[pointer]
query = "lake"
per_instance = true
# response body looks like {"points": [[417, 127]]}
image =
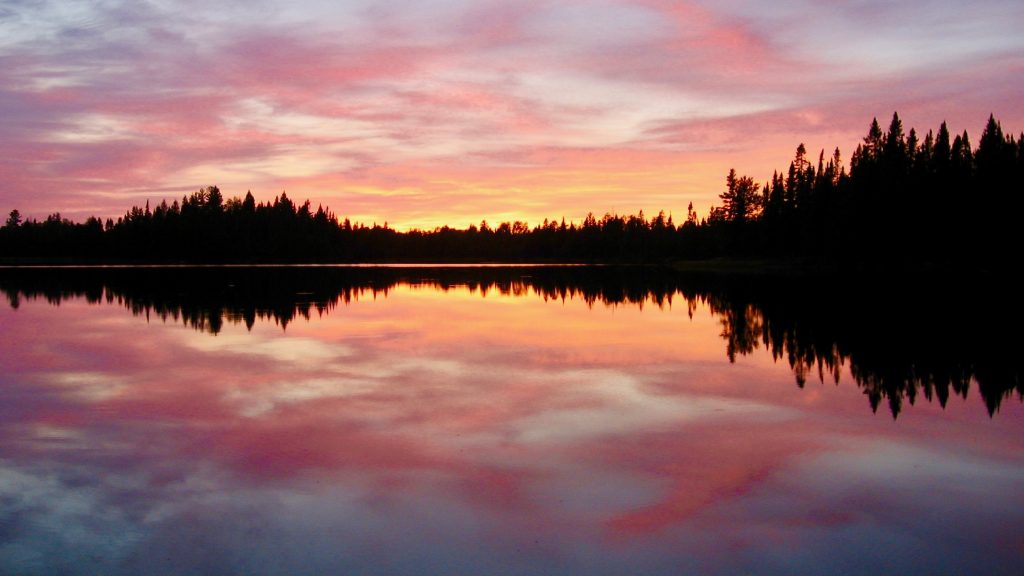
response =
{"points": [[507, 420]]}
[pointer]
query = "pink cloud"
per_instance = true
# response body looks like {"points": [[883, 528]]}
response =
{"points": [[703, 52], [490, 112]]}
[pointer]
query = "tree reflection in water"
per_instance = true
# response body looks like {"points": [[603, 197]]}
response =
{"points": [[902, 338]]}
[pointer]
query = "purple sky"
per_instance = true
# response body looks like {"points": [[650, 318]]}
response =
{"points": [[423, 113]]}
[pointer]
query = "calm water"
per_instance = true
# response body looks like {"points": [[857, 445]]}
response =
{"points": [[504, 421]]}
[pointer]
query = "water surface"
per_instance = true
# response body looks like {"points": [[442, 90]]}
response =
{"points": [[503, 421]]}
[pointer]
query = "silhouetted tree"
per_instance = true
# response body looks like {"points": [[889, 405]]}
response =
{"points": [[740, 199]]}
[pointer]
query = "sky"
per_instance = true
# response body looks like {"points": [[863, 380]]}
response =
{"points": [[421, 113]]}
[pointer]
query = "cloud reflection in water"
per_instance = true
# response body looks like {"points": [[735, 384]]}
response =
{"points": [[439, 432]]}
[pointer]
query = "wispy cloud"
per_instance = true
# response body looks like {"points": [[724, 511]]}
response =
{"points": [[419, 113]]}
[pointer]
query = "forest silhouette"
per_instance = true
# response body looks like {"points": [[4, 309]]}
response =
{"points": [[901, 341], [905, 200]]}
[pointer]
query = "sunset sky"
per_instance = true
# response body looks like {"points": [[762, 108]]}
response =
{"points": [[422, 113]]}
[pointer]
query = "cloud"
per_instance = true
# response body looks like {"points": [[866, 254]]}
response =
{"points": [[421, 114]]}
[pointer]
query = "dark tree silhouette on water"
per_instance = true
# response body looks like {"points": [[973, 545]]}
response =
{"points": [[901, 344]]}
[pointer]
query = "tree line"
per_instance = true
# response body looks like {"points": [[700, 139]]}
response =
{"points": [[204, 228], [904, 198]]}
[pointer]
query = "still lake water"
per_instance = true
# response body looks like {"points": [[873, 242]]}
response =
{"points": [[504, 421]]}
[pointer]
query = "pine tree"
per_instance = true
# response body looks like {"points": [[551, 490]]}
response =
{"points": [[13, 219], [740, 200], [873, 142]]}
